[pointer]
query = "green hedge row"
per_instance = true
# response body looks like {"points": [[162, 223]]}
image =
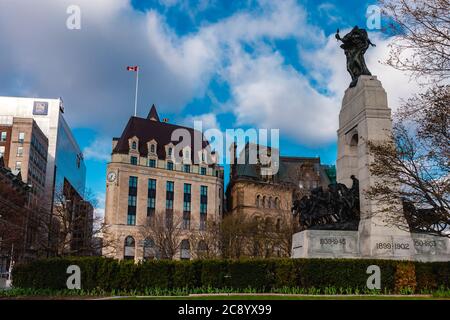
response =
{"points": [[261, 275]]}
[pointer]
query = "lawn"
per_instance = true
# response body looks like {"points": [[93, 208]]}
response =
{"points": [[284, 297]]}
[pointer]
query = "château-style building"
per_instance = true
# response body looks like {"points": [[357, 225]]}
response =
{"points": [[147, 182]]}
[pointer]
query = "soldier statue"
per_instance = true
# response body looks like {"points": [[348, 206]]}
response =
{"points": [[355, 43]]}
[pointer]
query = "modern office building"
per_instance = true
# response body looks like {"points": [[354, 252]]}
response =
{"points": [[64, 158], [145, 183], [36, 140]]}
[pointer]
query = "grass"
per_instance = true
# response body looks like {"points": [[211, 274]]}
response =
{"points": [[286, 297], [328, 293]]}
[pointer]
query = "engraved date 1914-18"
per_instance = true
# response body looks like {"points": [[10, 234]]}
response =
{"points": [[332, 241]]}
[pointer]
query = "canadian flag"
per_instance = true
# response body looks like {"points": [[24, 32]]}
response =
{"points": [[133, 68]]}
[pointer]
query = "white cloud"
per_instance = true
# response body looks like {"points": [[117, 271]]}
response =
{"points": [[270, 94], [99, 150], [40, 57], [209, 121]]}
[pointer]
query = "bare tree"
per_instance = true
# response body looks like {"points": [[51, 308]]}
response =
{"points": [[72, 227], [247, 236], [206, 244], [14, 216], [414, 166], [421, 43], [165, 229]]}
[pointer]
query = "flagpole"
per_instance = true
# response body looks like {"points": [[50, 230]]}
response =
{"points": [[136, 94]]}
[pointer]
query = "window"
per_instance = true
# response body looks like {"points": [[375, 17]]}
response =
{"points": [[203, 171], [133, 145], [169, 165], [202, 248], [151, 200], [133, 182], [187, 168], [187, 206], [132, 200], [170, 152], [133, 160], [203, 206], [129, 248], [21, 137], [185, 250], [169, 195], [2, 151], [152, 148], [19, 151], [203, 199], [3, 136], [131, 218], [149, 249], [258, 201], [18, 165], [152, 163], [203, 221]]}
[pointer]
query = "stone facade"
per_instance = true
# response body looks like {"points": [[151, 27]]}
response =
{"points": [[271, 196], [133, 156]]}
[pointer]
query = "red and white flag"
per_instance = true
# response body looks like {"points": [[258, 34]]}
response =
{"points": [[133, 68]]}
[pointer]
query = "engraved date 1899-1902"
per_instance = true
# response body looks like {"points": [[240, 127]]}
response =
{"points": [[392, 245]]}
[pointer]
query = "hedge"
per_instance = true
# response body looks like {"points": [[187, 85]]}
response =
{"points": [[262, 275]]}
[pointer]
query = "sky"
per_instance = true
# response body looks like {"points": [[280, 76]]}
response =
{"points": [[232, 64]]}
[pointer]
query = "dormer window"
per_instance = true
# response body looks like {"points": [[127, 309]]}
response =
{"points": [[170, 152], [133, 145], [151, 147]]}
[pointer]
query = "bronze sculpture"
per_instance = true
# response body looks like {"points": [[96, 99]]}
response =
{"points": [[355, 43], [336, 208]]}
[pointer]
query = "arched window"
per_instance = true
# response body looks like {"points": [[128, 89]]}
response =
{"points": [[202, 248], [278, 225], [264, 202], [277, 203], [129, 248], [271, 203], [185, 249], [258, 200], [149, 249], [134, 145], [267, 224]]}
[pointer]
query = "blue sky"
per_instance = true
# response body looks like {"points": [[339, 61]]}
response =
{"points": [[232, 64]]}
